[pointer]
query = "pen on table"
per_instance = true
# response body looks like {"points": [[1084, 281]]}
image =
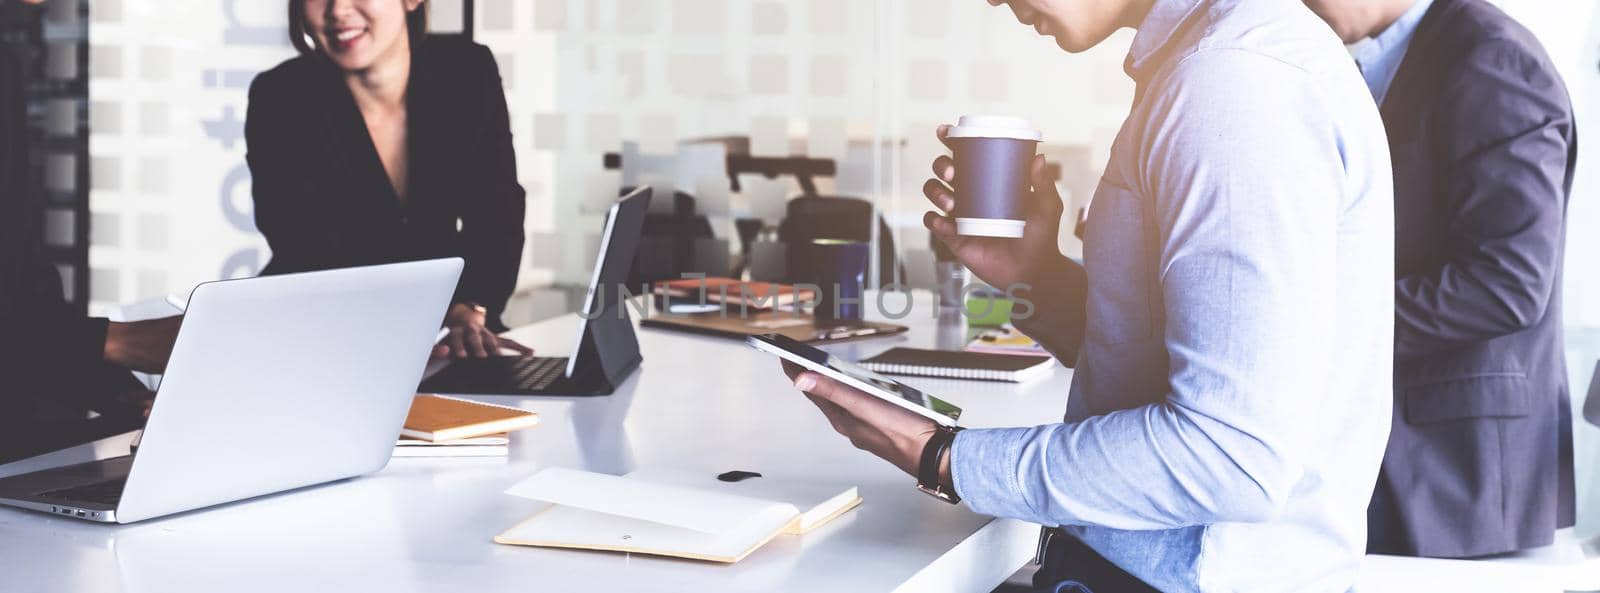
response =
{"points": [[840, 334]]}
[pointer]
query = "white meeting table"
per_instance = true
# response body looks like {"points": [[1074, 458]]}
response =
{"points": [[425, 524], [697, 402]]}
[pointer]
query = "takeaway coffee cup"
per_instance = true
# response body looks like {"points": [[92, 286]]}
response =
{"points": [[992, 155]]}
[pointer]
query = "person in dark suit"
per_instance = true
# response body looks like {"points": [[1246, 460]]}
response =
{"points": [[1483, 144], [379, 144], [58, 364]]}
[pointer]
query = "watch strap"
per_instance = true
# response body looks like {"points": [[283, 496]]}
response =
{"points": [[939, 444]]}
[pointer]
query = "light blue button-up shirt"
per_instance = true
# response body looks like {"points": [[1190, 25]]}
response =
{"points": [[1380, 56], [1232, 396]]}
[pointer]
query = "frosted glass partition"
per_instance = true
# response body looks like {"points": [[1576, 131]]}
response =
{"points": [[672, 87]]}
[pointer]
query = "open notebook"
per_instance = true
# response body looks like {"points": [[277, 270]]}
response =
{"points": [[671, 512]]}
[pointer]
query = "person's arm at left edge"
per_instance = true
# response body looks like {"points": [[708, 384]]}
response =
{"points": [[59, 337], [491, 228], [79, 360], [1505, 186], [44, 332]]}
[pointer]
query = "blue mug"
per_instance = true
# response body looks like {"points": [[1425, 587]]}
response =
{"points": [[840, 268]]}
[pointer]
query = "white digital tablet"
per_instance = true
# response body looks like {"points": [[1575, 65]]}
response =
{"points": [[840, 370]]}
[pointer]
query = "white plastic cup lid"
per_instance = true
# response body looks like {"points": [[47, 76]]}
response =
{"points": [[994, 126]]}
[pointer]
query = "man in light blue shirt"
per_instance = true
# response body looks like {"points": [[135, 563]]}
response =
{"points": [[1231, 322]]}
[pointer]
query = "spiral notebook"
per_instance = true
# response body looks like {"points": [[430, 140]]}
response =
{"points": [[948, 364]]}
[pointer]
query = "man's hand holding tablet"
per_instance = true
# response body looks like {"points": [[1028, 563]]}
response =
{"points": [[879, 415]]}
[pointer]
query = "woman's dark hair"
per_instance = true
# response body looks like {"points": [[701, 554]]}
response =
{"points": [[416, 25]]}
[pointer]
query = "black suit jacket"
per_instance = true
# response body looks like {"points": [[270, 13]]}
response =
{"points": [[1483, 143], [323, 200]]}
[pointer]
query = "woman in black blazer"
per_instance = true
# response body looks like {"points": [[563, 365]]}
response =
{"points": [[379, 145]]}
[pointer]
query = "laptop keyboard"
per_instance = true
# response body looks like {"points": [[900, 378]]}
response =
{"points": [[501, 375], [537, 373], [108, 492]]}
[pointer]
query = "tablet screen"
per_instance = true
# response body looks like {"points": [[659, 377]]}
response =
{"points": [[885, 386]]}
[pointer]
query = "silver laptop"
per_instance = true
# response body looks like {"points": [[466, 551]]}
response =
{"points": [[274, 383]]}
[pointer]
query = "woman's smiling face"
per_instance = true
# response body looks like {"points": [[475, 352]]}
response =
{"points": [[354, 34]]}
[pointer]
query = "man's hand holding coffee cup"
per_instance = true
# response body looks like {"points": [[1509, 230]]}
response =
{"points": [[1002, 262]]}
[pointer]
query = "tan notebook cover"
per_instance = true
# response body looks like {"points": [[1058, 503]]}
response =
{"points": [[798, 326], [755, 295], [437, 418], [670, 512]]}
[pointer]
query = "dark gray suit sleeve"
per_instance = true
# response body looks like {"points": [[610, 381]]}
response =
{"points": [[1505, 127]]}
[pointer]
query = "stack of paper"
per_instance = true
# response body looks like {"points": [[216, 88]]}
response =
{"points": [[490, 446], [439, 426]]}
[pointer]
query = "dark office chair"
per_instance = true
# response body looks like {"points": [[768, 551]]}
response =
{"points": [[676, 243], [748, 229], [768, 262], [670, 241], [831, 217]]}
